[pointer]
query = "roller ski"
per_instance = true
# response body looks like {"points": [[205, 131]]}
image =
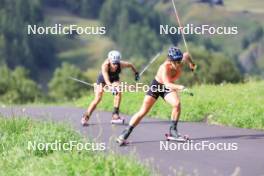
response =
{"points": [[84, 120], [175, 136], [116, 119], [121, 141], [184, 138]]}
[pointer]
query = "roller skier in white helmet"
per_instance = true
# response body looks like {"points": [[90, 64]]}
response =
{"points": [[110, 70]]}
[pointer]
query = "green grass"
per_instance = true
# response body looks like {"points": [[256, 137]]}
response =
{"points": [[251, 6], [238, 105], [16, 159], [231, 14]]}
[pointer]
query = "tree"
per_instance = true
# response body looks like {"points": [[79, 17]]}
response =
{"points": [[85, 8], [91, 8], [17, 87], [18, 48], [134, 26], [213, 68], [62, 88], [140, 41]]}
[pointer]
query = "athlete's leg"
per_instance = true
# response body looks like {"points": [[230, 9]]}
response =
{"points": [[174, 100], [146, 106], [98, 89], [117, 101]]}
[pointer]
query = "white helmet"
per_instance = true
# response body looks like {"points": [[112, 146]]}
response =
{"points": [[114, 56]]}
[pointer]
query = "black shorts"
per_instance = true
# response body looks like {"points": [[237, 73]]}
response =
{"points": [[100, 79], [157, 89]]}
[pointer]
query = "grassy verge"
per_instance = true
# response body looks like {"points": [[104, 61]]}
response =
{"points": [[239, 105], [16, 159], [243, 5]]}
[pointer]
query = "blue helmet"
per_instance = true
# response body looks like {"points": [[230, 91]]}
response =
{"points": [[175, 54]]}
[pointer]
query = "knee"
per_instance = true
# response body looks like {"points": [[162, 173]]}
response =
{"points": [[176, 105], [119, 94]]}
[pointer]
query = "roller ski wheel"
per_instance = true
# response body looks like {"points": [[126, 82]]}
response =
{"points": [[117, 120], [122, 142], [84, 121], [180, 138]]}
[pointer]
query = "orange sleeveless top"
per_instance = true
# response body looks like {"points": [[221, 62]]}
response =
{"points": [[172, 73]]}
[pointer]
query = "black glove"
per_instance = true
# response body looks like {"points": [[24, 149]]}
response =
{"points": [[193, 67], [137, 77]]}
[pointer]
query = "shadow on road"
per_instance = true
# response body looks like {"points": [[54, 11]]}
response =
{"points": [[253, 136], [249, 136]]}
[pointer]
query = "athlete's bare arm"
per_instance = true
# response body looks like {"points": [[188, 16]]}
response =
{"points": [[128, 65], [105, 72], [166, 80]]}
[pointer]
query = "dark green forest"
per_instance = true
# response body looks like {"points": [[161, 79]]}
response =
{"points": [[133, 28]]}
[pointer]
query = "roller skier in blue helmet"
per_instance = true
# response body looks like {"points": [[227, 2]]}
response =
{"points": [[167, 74]]}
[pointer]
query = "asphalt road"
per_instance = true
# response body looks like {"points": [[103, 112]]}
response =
{"points": [[147, 138]]}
